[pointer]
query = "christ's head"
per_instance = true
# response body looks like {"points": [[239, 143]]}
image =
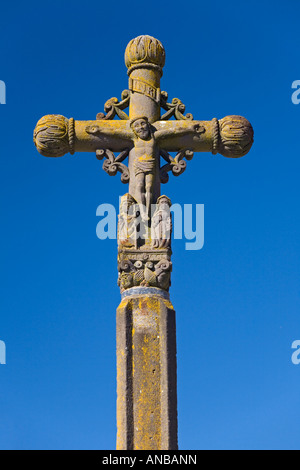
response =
{"points": [[141, 127]]}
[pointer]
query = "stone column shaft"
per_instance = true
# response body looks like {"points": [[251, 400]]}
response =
{"points": [[144, 85], [146, 372]]}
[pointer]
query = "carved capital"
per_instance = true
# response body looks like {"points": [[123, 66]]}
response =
{"points": [[54, 135], [145, 269]]}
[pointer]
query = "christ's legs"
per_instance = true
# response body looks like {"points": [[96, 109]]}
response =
{"points": [[140, 187], [149, 191], [140, 192]]}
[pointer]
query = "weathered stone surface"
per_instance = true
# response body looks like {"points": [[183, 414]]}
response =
{"points": [[234, 135], [144, 50], [146, 373], [51, 136], [144, 245]]}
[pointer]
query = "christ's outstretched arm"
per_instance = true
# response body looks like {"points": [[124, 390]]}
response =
{"points": [[195, 128], [105, 128]]}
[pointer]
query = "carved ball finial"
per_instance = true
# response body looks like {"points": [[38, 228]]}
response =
{"points": [[236, 136], [52, 135], [144, 51]]}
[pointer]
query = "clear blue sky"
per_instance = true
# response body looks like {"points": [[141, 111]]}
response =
{"points": [[237, 300]]}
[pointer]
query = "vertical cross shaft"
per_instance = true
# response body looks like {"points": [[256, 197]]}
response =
{"points": [[146, 331], [145, 95], [146, 372]]}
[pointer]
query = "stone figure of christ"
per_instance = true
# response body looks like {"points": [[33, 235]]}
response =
{"points": [[145, 163], [145, 139], [146, 159]]}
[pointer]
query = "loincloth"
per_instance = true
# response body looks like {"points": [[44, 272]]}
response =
{"points": [[144, 164]]}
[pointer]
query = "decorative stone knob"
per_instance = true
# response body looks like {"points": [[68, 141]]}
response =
{"points": [[54, 135], [144, 51], [235, 136]]}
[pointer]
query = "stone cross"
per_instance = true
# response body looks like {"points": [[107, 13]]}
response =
{"points": [[146, 331]]}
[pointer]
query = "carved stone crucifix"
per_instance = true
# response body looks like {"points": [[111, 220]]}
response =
{"points": [[146, 338]]}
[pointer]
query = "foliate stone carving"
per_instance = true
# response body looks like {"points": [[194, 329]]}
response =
{"points": [[112, 165], [232, 136], [115, 107], [144, 51], [144, 269], [54, 135], [176, 108], [177, 165]]}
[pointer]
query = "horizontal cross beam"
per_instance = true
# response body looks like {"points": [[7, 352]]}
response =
{"points": [[55, 136]]}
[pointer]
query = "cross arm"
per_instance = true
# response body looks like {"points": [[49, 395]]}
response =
{"points": [[55, 135], [231, 136]]}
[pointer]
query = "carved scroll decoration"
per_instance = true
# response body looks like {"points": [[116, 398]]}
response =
{"points": [[176, 109], [114, 164], [115, 107], [177, 165]]}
